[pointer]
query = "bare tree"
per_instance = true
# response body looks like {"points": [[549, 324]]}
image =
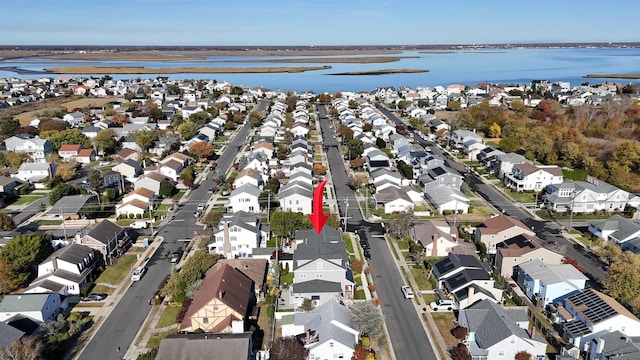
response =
{"points": [[26, 348], [288, 348], [367, 317], [400, 223]]}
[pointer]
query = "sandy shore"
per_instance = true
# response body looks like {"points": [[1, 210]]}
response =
{"points": [[134, 70], [383, 72], [613, 76], [324, 60]]}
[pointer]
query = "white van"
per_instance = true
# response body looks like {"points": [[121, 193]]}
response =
{"points": [[139, 224]]}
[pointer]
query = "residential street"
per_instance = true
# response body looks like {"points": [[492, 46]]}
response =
{"points": [[406, 333], [118, 330]]}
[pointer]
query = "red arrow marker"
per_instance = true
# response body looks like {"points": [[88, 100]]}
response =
{"points": [[318, 218]]}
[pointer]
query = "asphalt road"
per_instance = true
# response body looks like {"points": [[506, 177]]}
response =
{"points": [[119, 329], [404, 324], [548, 231]]}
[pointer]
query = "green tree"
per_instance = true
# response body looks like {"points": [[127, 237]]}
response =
{"points": [[367, 318], [6, 222], [200, 118], [188, 130], [355, 148], [95, 181], [68, 136], [105, 141], [307, 305], [145, 139], [255, 118], [405, 169], [286, 223], [25, 252], [60, 191], [166, 188], [509, 144], [15, 159], [9, 127], [623, 282], [380, 143]]}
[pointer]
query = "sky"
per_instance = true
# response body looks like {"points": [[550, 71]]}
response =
{"points": [[306, 22]]}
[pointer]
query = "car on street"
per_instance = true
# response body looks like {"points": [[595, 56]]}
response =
{"points": [[367, 254], [442, 305], [175, 257], [407, 292], [226, 193], [138, 273], [94, 297], [364, 244], [210, 191], [139, 224], [200, 208]]}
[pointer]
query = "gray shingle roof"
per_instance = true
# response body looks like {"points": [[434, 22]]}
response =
{"points": [[246, 189], [623, 228], [9, 334], [105, 231], [203, 346], [328, 245], [492, 323], [317, 286], [24, 302], [70, 204]]}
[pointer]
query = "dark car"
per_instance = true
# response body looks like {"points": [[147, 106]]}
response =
{"points": [[364, 244], [367, 254]]}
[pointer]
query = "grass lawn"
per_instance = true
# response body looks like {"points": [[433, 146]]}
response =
{"points": [[348, 244], [557, 216], [168, 317], [522, 197], [287, 278], [222, 198], [223, 138], [429, 298], [102, 289], [27, 199], [480, 208], [360, 295], [271, 243], [358, 279], [115, 274], [48, 222], [421, 279], [403, 244], [444, 322], [162, 208], [154, 340]]}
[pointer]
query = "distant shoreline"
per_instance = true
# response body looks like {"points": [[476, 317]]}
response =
{"points": [[612, 76], [135, 70], [382, 72]]}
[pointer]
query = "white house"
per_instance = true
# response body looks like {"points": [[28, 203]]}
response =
{"points": [[35, 171], [395, 199], [150, 181], [586, 197], [237, 235], [245, 198], [437, 237], [39, 307], [247, 176], [37, 148], [623, 232], [548, 283], [528, 177], [296, 197], [445, 198]]}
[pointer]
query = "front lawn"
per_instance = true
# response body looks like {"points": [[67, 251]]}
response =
{"points": [[154, 340], [26, 199], [522, 197], [168, 317], [114, 274], [48, 222], [444, 323], [102, 289], [287, 278], [417, 271]]}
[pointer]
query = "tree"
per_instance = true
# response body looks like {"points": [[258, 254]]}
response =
{"points": [[367, 318], [9, 127], [120, 119], [286, 223], [509, 144], [105, 140], [28, 347], [367, 127], [399, 223], [623, 280], [405, 169], [51, 125], [345, 132], [66, 171], [95, 181], [307, 305], [60, 191], [6, 222], [28, 130], [360, 353], [574, 262], [380, 143], [24, 253], [355, 148], [459, 352], [288, 348], [9, 282], [494, 130], [319, 169], [145, 139], [188, 130], [166, 188], [460, 332], [357, 163], [523, 355], [255, 118], [68, 136], [201, 149]]}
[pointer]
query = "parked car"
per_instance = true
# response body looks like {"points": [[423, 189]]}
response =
{"points": [[139, 224], [95, 297], [138, 273], [447, 305], [175, 257], [210, 191], [364, 243], [367, 254], [200, 208], [407, 292]]}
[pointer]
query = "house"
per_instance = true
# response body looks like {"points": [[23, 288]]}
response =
{"points": [[108, 238], [237, 235], [468, 286], [255, 269], [71, 266], [496, 332], [183, 159], [489, 156], [248, 176], [150, 181], [504, 163], [587, 197], [520, 249], [446, 177], [528, 177], [451, 265], [379, 176], [614, 345], [228, 346], [171, 169], [69, 151], [461, 136], [377, 159], [35, 172], [85, 156], [8, 185], [74, 119], [498, 229], [437, 237], [9, 335], [112, 179], [130, 169], [623, 232], [473, 148], [223, 302], [74, 207], [245, 198], [590, 315], [37, 148], [321, 267], [548, 283], [38, 307], [296, 197], [126, 154], [395, 199], [265, 147], [327, 331], [136, 203], [446, 199]]}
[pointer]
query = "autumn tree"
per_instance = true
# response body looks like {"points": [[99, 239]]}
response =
{"points": [[574, 262], [30, 130], [288, 348], [345, 132], [367, 318], [120, 119], [188, 130], [24, 253], [255, 118], [623, 280], [9, 282], [6, 222], [105, 140], [15, 159], [145, 138], [357, 163], [319, 169], [523, 355], [459, 352], [28, 347], [52, 125], [333, 221], [494, 130], [360, 353], [399, 223], [66, 171], [201, 149], [460, 332]]}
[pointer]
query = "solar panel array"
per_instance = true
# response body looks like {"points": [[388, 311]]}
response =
{"points": [[596, 309], [576, 328]]}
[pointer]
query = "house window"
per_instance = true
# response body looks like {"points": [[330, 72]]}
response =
{"points": [[303, 276], [515, 259], [215, 307], [513, 341], [319, 265], [501, 353], [319, 275], [205, 321], [493, 236]]}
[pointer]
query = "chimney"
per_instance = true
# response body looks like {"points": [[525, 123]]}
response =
{"points": [[533, 332], [600, 345], [226, 245], [220, 294], [308, 339]]}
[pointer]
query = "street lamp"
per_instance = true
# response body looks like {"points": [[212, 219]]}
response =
{"points": [[573, 199]]}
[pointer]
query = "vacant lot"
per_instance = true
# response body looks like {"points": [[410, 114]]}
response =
{"points": [[29, 114]]}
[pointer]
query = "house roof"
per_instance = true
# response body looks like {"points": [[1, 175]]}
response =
{"points": [[466, 276], [246, 189], [249, 172], [144, 192], [329, 321], [622, 228], [74, 254], [255, 269], [295, 189], [317, 286], [70, 204], [173, 164], [85, 152], [620, 346], [326, 245], [440, 194], [153, 176], [263, 145], [595, 307], [229, 285], [500, 223], [105, 231], [528, 169], [431, 230], [492, 323], [552, 273], [70, 147], [392, 193], [518, 245], [24, 302], [456, 261], [241, 219], [9, 334], [226, 346]]}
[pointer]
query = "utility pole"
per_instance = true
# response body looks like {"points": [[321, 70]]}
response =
{"points": [[573, 199], [346, 214], [64, 228], [268, 207], [151, 217]]}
